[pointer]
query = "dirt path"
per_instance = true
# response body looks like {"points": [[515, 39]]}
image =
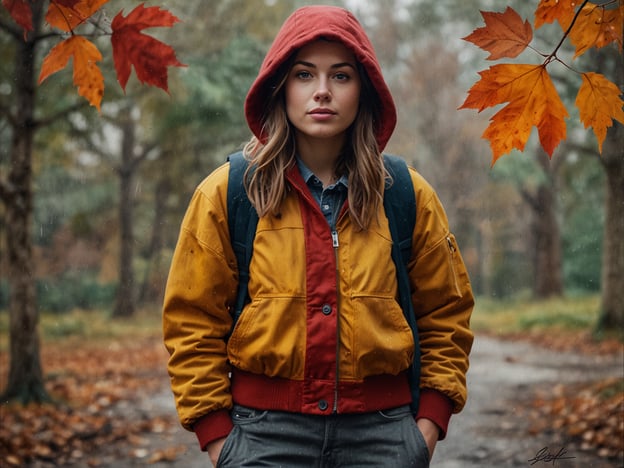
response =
{"points": [[490, 432], [492, 429]]}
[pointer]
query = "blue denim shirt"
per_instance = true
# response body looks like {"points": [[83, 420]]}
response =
{"points": [[330, 198]]}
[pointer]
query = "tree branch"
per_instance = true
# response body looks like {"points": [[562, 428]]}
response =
{"points": [[141, 157], [529, 199], [4, 191], [5, 111], [566, 33], [583, 149], [12, 29], [60, 114]]}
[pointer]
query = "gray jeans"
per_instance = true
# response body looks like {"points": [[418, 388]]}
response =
{"points": [[388, 438]]}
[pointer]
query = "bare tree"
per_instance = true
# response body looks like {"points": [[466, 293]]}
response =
{"points": [[125, 161]]}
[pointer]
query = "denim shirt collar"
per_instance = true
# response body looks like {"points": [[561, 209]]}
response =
{"points": [[309, 176]]}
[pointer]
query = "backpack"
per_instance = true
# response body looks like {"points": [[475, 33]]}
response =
{"points": [[400, 207]]}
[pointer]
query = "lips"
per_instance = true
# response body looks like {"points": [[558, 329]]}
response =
{"points": [[321, 111], [321, 114]]}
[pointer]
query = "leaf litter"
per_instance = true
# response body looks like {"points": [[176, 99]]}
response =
{"points": [[99, 386], [96, 389]]}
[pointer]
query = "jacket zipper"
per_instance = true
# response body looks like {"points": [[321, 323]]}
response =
{"points": [[452, 250], [335, 245]]}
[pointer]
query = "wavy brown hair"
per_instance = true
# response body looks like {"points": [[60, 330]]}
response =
{"points": [[361, 159]]}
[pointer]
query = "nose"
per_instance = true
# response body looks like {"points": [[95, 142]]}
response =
{"points": [[322, 93]]}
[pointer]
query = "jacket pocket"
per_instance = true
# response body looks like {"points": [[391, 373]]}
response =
{"points": [[453, 261], [382, 341], [270, 337]]}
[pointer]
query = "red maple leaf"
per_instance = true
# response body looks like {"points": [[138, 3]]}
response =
{"points": [[504, 34], [150, 57], [20, 12], [67, 3]]}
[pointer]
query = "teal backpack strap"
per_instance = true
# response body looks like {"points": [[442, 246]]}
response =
{"points": [[242, 222], [400, 207]]}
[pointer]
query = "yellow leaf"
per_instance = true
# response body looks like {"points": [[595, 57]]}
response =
{"points": [[554, 10], [596, 27], [87, 76], [599, 103], [532, 101]]}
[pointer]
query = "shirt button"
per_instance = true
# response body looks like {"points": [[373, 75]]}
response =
{"points": [[323, 405], [327, 309]]}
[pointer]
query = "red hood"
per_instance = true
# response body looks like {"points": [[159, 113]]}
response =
{"points": [[302, 27]]}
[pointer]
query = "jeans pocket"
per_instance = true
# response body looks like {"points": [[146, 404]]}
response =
{"points": [[226, 450], [245, 415], [395, 414], [421, 445]]}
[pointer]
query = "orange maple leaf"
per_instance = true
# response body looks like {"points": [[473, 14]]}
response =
{"points": [[504, 34], [87, 76], [599, 103], [532, 101], [149, 56], [68, 14], [597, 27], [21, 13], [549, 11]]}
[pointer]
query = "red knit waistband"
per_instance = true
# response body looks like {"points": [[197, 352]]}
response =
{"points": [[317, 396]]}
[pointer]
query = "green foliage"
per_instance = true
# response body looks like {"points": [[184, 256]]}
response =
{"points": [[4, 294], [510, 274], [65, 197], [67, 292], [73, 290], [582, 202], [582, 250], [216, 87]]}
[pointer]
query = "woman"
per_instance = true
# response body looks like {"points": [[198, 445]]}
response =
{"points": [[314, 373]]}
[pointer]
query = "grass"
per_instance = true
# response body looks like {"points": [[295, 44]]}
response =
{"points": [[521, 315], [89, 325]]}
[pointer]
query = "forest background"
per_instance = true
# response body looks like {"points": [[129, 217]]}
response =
{"points": [[110, 188]]}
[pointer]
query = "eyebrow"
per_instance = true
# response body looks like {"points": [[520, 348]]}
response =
{"points": [[335, 65]]}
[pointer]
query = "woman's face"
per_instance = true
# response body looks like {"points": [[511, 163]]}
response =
{"points": [[322, 92]]}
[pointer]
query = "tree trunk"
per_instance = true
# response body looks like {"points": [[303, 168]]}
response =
{"points": [[162, 191], [612, 306], [611, 62], [125, 304], [548, 280], [25, 379], [547, 270]]}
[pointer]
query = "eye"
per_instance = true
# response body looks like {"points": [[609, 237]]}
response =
{"points": [[342, 76], [303, 74]]}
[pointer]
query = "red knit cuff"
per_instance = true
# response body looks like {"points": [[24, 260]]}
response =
{"points": [[437, 407], [213, 426]]}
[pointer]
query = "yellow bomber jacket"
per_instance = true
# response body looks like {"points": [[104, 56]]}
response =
{"points": [[323, 332]]}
